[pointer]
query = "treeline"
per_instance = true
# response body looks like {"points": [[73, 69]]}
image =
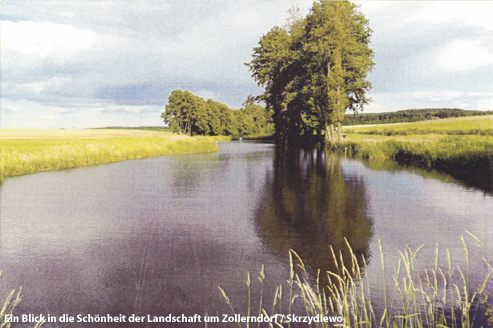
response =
{"points": [[190, 114], [409, 115]]}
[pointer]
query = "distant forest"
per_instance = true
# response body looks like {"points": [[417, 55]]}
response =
{"points": [[190, 114], [409, 115]]}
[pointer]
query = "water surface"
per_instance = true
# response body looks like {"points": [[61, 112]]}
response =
{"points": [[158, 236]]}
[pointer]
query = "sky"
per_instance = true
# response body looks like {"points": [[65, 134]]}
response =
{"points": [[84, 64]]}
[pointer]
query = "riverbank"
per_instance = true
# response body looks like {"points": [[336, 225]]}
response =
{"points": [[25, 151], [452, 145]]}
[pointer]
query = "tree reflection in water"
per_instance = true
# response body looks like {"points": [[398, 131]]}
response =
{"points": [[310, 204]]}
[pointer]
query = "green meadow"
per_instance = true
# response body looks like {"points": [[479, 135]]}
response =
{"points": [[471, 125], [26, 151], [450, 144]]}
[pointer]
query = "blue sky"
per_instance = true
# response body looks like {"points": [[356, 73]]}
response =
{"points": [[81, 64]]}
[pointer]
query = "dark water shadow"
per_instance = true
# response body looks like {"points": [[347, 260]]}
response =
{"points": [[470, 179], [311, 205]]}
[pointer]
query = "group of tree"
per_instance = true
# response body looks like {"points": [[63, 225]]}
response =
{"points": [[410, 115], [314, 69], [190, 114]]}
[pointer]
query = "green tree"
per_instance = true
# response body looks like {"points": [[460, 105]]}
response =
{"points": [[272, 68], [186, 113], [315, 69], [214, 122], [222, 119], [178, 111], [199, 118]]}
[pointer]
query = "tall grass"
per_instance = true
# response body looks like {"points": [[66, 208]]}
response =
{"points": [[8, 307], [452, 144], [13, 299], [435, 297], [460, 152], [31, 151]]}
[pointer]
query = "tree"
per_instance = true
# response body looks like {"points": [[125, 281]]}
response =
{"points": [[221, 118], [315, 69], [177, 114], [186, 113]]}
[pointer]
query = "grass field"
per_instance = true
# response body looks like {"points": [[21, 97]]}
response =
{"points": [[471, 125], [26, 151], [450, 144]]}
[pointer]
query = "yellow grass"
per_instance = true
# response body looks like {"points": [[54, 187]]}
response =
{"points": [[77, 134], [30, 151]]}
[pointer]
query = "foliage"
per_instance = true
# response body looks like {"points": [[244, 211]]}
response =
{"points": [[187, 113], [31, 151], [314, 69], [409, 115]]}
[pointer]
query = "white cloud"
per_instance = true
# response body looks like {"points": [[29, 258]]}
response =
{"points": [[128, 109], [463, 13], [22, 114], [373, 107], [473, 100], [67, 14], [50, 84], [463, 55], [45, 39], [111, 61], [208, 94]]}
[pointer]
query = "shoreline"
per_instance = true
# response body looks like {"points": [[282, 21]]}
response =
{"points": [[449, 144], [460, 147], [465, 157], [442, 153], [49, 150]]}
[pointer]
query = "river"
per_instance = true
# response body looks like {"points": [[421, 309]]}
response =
{"points": [[158, 236]]}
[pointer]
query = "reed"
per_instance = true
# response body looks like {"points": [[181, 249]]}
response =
{"points": [[13, 299], [436, 297], [30, 151]]}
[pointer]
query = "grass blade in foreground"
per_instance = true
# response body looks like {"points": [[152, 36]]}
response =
{"points": [[433, 297]]}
